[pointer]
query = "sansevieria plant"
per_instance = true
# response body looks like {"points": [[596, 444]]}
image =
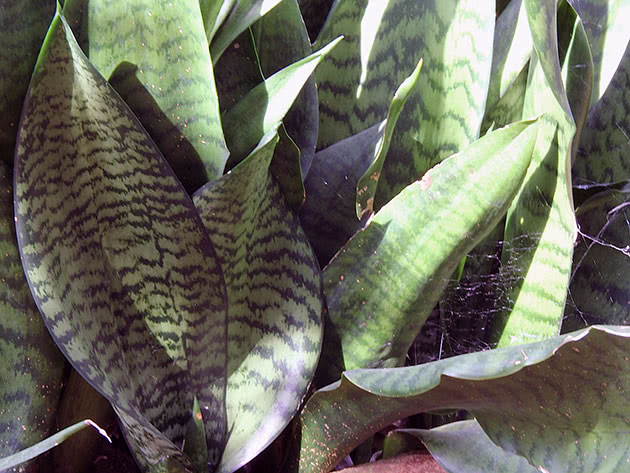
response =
{"points": [[269, 233]]}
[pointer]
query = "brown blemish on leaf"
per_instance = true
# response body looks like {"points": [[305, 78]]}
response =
{"points": [[368, 208], [375, 176]]}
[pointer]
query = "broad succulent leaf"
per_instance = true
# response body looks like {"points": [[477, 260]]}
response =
{"points": [[384, 41], [32, 369], [540, 228], [463, 447], [531, 400], [383, 284], [344, 179], [275, 302], [155, 54], [23, 26], [97, 210]]}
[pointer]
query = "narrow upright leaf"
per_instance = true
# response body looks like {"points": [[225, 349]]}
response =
{"points": [[385, 39], [275, 302], [383, 284], [540, 228], [117, 258], [155, 54]]}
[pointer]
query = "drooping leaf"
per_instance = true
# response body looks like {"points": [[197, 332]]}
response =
{"points": [[32, 368], [560, 402], [599, 290], [155, 54], [45, 445], [233, 18], [275, 302], [258, 112], [384, 41], [23, 26], [463, 447], [117, 258], [540, 228], [343, 180], [383, 284]]}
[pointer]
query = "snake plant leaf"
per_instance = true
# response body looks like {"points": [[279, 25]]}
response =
{"points": [[512, 49], [560, 403], [342, 183], [463, 447], [284, 26], [23, 26], [258, 112], [32, 368], [540, 228], [599, 283], [385, 40], [608, 35], [116, 256], [275, 302], [46, 444], [233, 18], [381, 287], [155, 54], [315, 13], [602, 156]]}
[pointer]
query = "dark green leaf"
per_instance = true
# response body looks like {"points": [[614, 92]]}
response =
{"points": [[117, 258], [275, 302], [23, 26]]}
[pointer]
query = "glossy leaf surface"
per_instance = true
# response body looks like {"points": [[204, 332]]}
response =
{"points": [[275, 302], [98, 209], [529, 399], [383, 284]]}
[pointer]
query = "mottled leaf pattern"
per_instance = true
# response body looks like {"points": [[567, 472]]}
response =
{"points": [[552, 382], [275, 302], [384, 42], [540, 228], [23, 25], [383, 284], [116, 256], [155, 54], [32, 367]]}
